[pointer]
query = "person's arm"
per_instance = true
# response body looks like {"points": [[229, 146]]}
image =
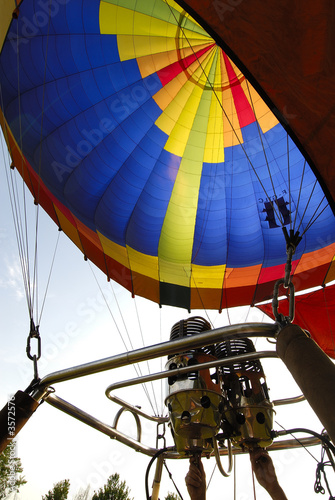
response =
{"points": [[265, 473], [196, 480]]}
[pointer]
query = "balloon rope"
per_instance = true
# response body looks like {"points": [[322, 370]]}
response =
{"points": [[12, 190], [253, 483], [300, 190], [314, 216], [210, 479], [22, 228], [147, 363], [273, 204], [49, 278], [37, 195], [135, 366], [298, 441], [20, 211]]}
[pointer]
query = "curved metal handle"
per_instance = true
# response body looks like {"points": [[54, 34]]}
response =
{"points": [[137, 420], [218, 460]]}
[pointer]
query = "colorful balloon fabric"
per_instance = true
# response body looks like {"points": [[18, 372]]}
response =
{"points": [[151, 150]]}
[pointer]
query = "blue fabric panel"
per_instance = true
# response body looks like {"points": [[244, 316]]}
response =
{"points": [[146, 221], [119, 201]]}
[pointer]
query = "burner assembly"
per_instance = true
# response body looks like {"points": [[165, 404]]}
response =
{"points": [[224, 402]]}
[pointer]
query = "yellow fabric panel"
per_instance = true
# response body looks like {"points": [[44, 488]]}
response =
{"points": [[140, 263], [132, 47], [207, 277], [142, 28], [176, 241], [166, 97], [184, 108], [265, 117], [174, 273], [176, 238], [150, 63], [179, 100], [7, 9], [214, 148], [113, 250], [69, 229]]}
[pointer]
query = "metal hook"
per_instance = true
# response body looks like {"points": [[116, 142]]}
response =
{"points": [[218, 460]]}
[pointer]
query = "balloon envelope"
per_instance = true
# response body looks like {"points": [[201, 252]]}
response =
{"points": [[153, 152]]}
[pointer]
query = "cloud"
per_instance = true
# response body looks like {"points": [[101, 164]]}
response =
{"points": [[11, 278]]}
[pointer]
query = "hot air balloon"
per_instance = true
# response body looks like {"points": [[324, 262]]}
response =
{"points": [[154, 139]]}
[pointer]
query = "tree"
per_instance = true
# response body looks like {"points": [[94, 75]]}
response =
{"points": [[59, 491], [172, 496], [114, 489], [10, 467]]}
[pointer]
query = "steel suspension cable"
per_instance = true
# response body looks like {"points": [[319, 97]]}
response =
{"points": [[22, 230], [279, 215], [147, 362], [35, 272], [136, 367]]}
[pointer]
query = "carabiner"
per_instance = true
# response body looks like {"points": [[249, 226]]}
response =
{"points": [[280, 318]]}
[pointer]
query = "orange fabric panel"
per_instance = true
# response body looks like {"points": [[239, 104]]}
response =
{"points": [[145, 287], [205, 298]]}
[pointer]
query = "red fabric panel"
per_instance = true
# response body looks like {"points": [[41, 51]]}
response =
{"points": [[314, 312], [245, 113], [167, 74]]}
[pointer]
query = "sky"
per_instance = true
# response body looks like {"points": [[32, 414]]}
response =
{"points": [[77, 326]]}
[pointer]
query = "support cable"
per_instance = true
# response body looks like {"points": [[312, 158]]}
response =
{"points": [[35, 271], [322, 437], [135, 366], [147, 362], [171, 478], [279, 215]]}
